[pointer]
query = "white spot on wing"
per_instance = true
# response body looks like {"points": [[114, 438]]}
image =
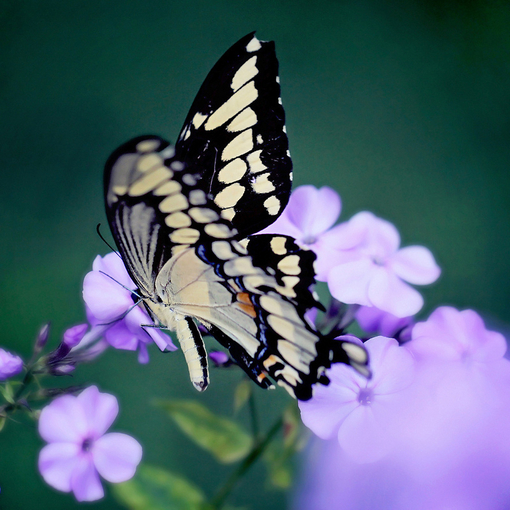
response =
{"points": [[233, 171], [272, 205], [229, 196], [244, 74], [147, 145], [197, 197], [241, 144], [173, 203], [253, 45], [262, 184], [255, 162], [150, 181], [247, 118], [237, 102], [198, 120]]}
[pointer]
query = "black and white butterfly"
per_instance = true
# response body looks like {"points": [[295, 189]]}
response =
{"points": [[184, 219]]}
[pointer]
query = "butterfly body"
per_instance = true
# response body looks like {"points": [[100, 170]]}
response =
{"points": [[185, 220]]}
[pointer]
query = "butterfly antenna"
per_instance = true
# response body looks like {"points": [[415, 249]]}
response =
{"points": [[132, 291], [98, 230], [120, 317]]}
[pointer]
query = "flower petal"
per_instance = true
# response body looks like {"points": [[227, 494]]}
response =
{"points": [[362, 436], [313, 210], [85, 481], [392, 366], [56, 464], [113, 265], [387, 292], [105, 299], [349, 282], [100, 410], [63, 420], [415, 264], [116, 456], [382, 237]]}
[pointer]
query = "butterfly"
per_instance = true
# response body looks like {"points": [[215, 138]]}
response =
{"points": [[185, 220]]}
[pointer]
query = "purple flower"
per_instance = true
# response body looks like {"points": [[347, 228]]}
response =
{"points": [[79, 449], [362, 413], [374, 272], [108, 294], [445, 444], [373, 320], [451, 335], [309, 218], [10, 365]]}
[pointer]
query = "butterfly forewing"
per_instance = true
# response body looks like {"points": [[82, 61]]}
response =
{"points": [[234, 136]]}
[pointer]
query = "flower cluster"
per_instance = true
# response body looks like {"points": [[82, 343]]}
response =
{"points": [[359, 259], [428, 430]]}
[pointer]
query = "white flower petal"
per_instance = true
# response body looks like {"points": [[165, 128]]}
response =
{"points": [[415, 264], [116, 456]]}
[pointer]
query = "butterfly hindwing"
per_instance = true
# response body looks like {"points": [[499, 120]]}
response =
{"points": [[234, 136]]}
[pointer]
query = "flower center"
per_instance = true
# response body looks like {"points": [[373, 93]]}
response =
{"points": [[86, 445], [365, 396], [377, 260], [309, 239]]}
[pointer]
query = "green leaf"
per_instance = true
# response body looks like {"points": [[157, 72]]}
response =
{"points": [[154, 488], [8, 392], [242, 394], [2, 422], [221, 437]]}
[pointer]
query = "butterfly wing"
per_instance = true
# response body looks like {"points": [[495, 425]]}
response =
{"points": [[240, 292], [234, 136]]}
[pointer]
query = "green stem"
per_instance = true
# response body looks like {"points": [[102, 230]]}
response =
{"points": [[254, 418], [219, 499]]}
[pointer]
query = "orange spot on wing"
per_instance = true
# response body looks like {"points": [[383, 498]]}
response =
{"points": [[244, 297], [248, 309]]}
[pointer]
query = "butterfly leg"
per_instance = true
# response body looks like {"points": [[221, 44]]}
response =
{"points": [[194, 351]]}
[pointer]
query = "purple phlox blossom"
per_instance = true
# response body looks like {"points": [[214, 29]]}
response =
{"points": [[108, 293], [373, 320], [79, 448], [361, 412], [10, 365], [375, 271], [462, 364], [309, 218], [449, 434]]}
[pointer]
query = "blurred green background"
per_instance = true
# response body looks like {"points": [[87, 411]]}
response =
{"points": [[403, 107]]}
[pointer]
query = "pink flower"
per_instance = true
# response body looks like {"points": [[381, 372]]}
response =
{"points": [[362, 413], [10, 365], [309, 218], [79, 448], [375, 271], [108, 294]]}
